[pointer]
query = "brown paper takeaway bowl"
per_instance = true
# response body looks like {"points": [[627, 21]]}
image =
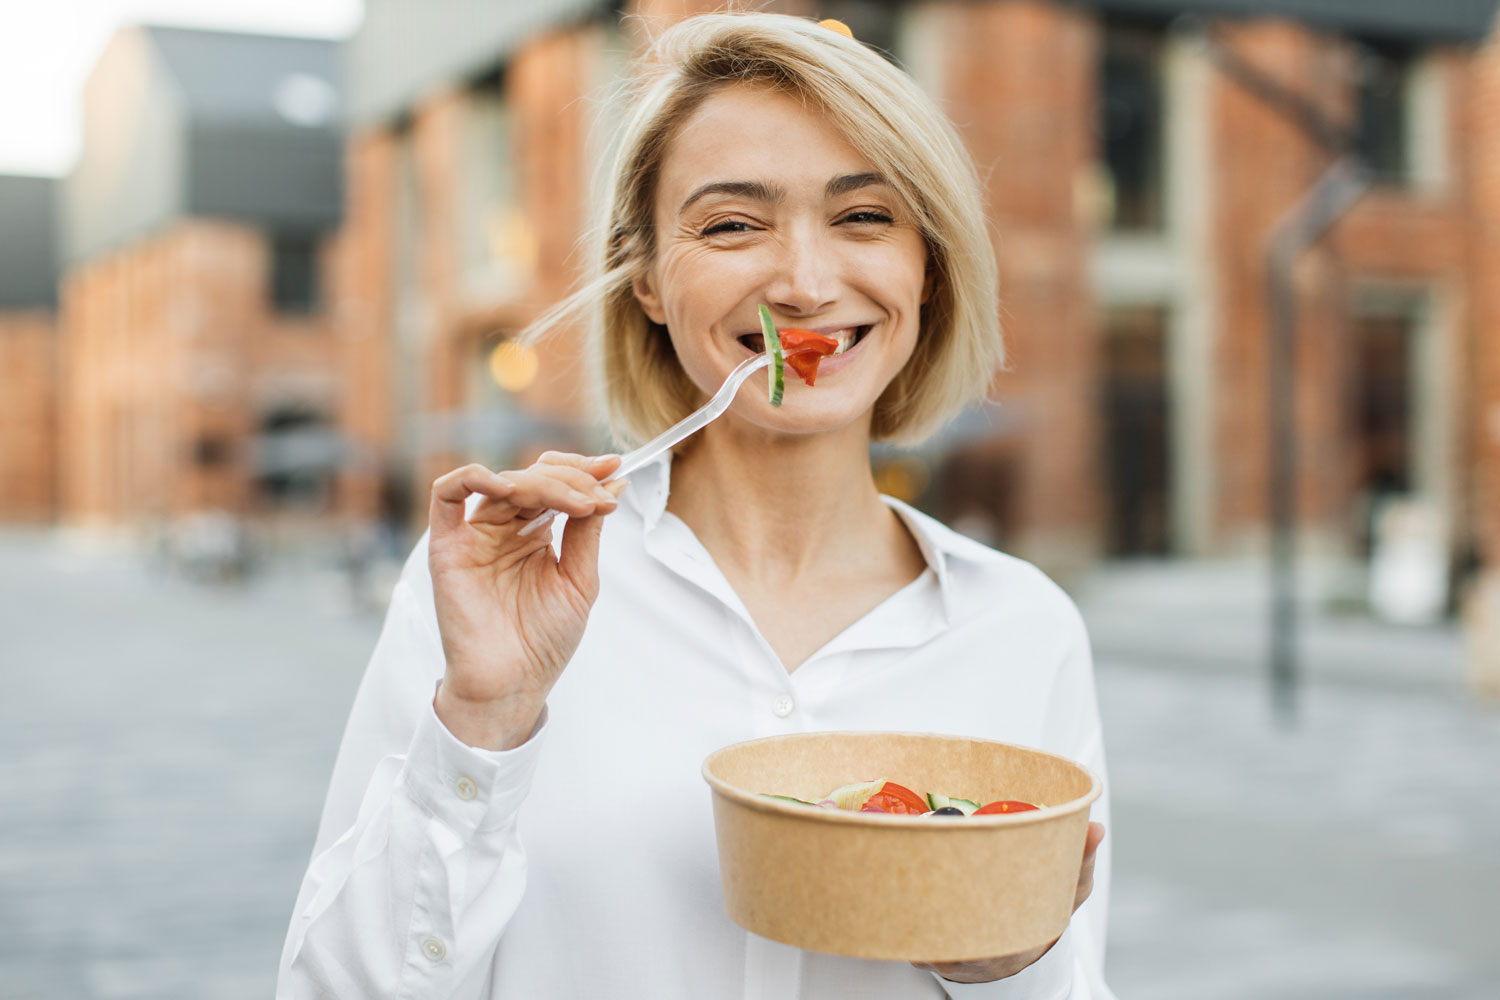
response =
{"points": [[913, 888]]}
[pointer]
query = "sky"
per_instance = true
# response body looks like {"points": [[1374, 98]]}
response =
{"points": [[48, 47]]}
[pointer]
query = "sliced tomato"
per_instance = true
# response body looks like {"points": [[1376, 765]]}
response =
{"points": [[804, 349], [897, 799], [1004, 806]]}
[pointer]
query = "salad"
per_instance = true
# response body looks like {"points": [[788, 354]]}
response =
{"points": [[881, 796]]}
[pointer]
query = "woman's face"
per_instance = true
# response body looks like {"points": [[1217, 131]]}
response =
{"points": [[762, 201]]}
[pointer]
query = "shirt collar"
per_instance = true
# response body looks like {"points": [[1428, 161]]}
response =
{"points": [[940, 545]]}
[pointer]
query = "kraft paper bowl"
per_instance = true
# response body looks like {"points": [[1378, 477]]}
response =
{"points": [[911, 888]]}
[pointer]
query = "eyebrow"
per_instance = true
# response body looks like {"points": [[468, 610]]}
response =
{"points": [[762, 191], [844, 183]]}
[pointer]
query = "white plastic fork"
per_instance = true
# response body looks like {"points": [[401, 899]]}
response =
{"points": [[677, 433]]}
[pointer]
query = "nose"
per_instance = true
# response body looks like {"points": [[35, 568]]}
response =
{"points": [[805, 279]]}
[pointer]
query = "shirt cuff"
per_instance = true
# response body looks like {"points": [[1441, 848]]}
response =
{"points": [[468, 788], [1048, 978]]}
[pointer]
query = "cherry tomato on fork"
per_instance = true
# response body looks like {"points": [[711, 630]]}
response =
{"points": [[804, 349]]}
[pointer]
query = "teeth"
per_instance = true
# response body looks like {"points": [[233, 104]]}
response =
{"points": [[845, 339]]}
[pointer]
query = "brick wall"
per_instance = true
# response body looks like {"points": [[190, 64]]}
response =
{"points": [[1483, 610], [28, 350], [1019, 78], [361, 273], [1019, 85], [1405, 239], [170, 353], [547, 90]]}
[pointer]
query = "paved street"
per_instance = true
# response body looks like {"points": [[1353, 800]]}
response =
{"points": [[162, 784]]}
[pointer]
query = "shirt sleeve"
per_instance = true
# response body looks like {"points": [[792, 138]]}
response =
{"points": [[1073, 968], [417, 866]]}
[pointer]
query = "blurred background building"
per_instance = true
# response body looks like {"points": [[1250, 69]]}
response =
{"points": [[197, 350], [28, 349], [288, 274]]}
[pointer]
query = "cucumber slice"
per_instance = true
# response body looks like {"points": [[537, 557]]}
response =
{"points": [[941, 801], [788, 798], [776, 373]]}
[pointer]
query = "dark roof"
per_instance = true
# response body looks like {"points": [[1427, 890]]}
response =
{"points": [[238, 77], [405, 49], [182, 122], [28, 254], [1414, 20]]}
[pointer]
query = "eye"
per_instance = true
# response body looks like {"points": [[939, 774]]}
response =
{"points": [[727, 227], [867, 216]]}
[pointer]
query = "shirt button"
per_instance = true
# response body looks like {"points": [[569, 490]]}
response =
{"points": [[783, 706], [465, 788], [434, 949]]}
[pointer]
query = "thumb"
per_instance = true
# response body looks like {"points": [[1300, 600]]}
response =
{"points": [[578, 559]]}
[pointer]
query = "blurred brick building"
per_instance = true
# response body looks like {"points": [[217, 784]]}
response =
{"points": [[1134, 184], [200, 366], [28, 350], [221, 346], [1133, 187]]}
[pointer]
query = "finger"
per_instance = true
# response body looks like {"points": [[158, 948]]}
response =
{"points": [[449, 493], [578, 559], [568, 490], [576, 478], [491, 511], [1093, 840], [1086, 872], [597, 466]]}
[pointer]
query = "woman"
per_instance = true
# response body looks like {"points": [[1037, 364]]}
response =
{"points": [[517, 809]]}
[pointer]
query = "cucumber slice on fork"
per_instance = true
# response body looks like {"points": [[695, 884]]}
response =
{"points": [[776, 374]]}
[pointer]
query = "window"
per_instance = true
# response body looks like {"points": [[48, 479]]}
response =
{"points": [[1136, 403], [1382, 137], [497, 244], [1129, 122], [294, 273], [212, 451], [297, 453]]}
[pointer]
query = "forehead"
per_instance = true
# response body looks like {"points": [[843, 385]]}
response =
{"points": [[753, 133]]}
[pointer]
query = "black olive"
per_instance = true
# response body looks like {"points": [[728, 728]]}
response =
{"points": [[948, 811]]}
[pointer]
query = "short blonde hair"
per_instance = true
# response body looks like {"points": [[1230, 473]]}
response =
{"points": [[890, 122]]}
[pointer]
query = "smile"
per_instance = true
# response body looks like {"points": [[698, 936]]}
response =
{"points": [[847, 336]]}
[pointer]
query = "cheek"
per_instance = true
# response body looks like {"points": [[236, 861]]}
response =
{"points": [[694, 280]]}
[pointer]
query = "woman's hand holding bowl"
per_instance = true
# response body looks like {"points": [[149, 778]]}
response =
{"points": [[987, 970], [510, 612]]}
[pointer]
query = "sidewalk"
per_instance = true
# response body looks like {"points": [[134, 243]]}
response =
{"points": [[1354, 854], [168, 747], [1211, 616]]}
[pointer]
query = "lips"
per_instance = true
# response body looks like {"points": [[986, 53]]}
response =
{"points": [[847, 336]]}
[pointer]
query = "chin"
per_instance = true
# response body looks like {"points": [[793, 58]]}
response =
{"points": [[812, 417]]}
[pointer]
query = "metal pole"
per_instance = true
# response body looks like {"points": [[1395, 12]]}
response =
{"points": [[1330, 196], [1335, 190]]}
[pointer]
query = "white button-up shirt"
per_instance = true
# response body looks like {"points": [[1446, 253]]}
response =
{"points": [[582, 864]]}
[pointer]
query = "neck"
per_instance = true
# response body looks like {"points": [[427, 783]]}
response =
{"points": [[772, 508]]}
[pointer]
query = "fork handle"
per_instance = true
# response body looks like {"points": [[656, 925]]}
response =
{"points": [[677, 433]]}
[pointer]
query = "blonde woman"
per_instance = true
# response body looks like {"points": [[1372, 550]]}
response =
{"points": [[516, 810]]}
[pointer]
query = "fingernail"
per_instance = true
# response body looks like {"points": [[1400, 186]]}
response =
{"points": [[582, 497], [603, 493], [601, 459]]}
